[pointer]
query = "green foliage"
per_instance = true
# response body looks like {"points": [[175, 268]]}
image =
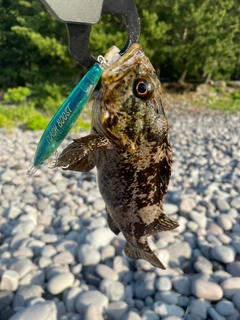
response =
{"points": [[12, 116], [192, 40], [36, 122], [16, 95]]}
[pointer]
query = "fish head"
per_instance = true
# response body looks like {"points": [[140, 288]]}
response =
{"points": [[129, 108]]}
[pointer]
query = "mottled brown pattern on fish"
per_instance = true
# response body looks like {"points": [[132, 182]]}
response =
{"points": [[134, 163]]}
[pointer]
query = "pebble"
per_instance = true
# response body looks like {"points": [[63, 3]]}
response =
{"points": [[163, 284], [22, 266], [100, 237], [26, 293], [144, 285], [234, 268], [58, 225], [91, 297], [116, 310], [230, 286], [225, 308], [106, 272], [6, 297], [163, 309], [179, 252], [199, 307], [42, 311], [64, 257], [114, 290], [182, 285], [131, 315], [87, 255], [225, 222], [93, 313], [223, 254], [236, 300], [60, 282], [170, 208], [168, 297], [206, 290], [9, 280], [70, 297]]}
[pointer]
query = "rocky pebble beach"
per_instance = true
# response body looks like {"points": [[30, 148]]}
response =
{"points": [[60, 261]]}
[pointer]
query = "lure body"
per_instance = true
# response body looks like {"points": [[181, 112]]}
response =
{"points": [[67, 115]]}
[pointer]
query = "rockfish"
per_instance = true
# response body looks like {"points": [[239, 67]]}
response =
{"points": [[129, 146]]}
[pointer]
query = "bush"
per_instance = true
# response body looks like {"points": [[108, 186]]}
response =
{"points": [[36, 122], [17, 95]]}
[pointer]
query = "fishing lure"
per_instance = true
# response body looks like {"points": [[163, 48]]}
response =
{"points": [[67, 114]]}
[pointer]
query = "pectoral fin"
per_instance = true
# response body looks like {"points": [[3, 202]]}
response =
{"points": [[77, 155]]}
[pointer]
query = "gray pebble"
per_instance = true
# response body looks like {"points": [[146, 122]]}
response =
{"points": [[206, 290], [187, 205], [234, 268], [199, 307], [60, 282], [225, 308], [236, 300], [215, 315], [26, 293], [93, 313], [99, 204], [131, 315], [44, 262], [163, 309], [71, 297], [199, 218], [22, 266], [114, 290], [203, 265], [230, 286], [163, 284], [9, 280], [99, 238], [220, 275], [49, 238], [225, 222], [167, 297], [116, 310], [192, 317], [64, 257], [6, 297], [108, 252], [91, 297], [106, 272], [235, 203], [49, 190], [144, 285], [48, 251], [223, 254], [179, 252], [43, 311], [67, 245], [222, 205], [87, 255], [182, 285], [170, 208]]}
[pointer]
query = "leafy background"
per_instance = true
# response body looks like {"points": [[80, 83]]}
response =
{"points": [[187, 41]]}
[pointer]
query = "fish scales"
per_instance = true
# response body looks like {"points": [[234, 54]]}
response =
{"points": [[129, 146]]}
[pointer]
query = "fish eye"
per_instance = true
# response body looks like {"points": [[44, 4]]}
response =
{"points": [[142, 89]]}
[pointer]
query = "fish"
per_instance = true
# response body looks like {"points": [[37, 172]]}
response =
{"points": [[130, 148]]}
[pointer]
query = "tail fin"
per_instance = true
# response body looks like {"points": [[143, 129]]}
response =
{"points": [[143, 253]]}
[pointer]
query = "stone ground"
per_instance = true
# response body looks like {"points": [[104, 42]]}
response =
{"points": [[59, 260]]}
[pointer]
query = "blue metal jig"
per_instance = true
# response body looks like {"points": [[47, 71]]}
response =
{"points": [[67, 114]]}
